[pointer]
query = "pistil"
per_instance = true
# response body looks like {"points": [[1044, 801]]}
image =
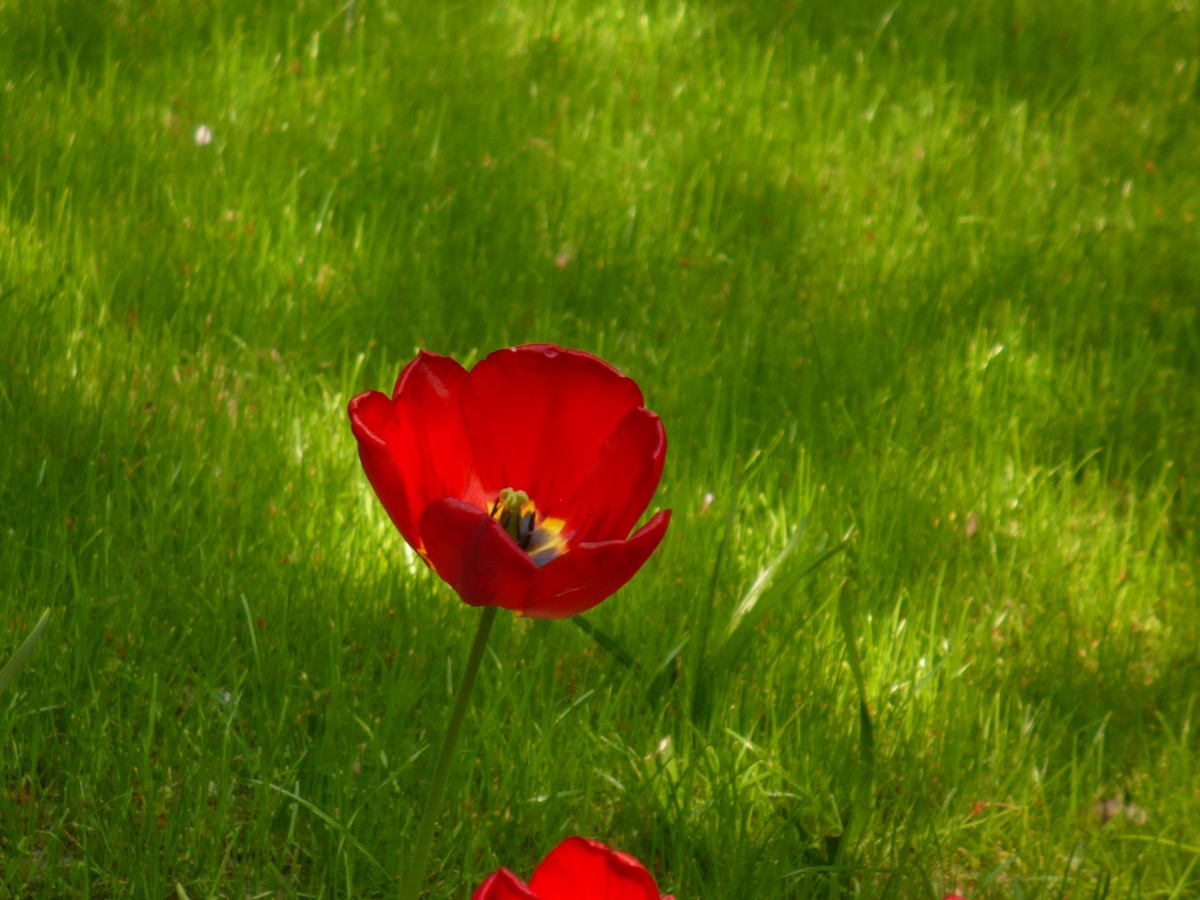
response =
{"points": [[515, 513]]}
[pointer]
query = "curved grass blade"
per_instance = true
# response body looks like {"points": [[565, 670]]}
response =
{"points": [[760, 603], [13, 666], [763, 580], [329, 820]]}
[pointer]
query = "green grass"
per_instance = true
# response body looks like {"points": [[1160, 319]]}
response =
{"points": [[920, 275]]}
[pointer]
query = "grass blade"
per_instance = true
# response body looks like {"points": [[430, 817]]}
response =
{"points": [[702, 686], [329, 820], [750, 615], [763, 581], [849, 634], [13, 666], [609, 643]]}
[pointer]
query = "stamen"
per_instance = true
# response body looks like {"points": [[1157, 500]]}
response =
{"points": [[546, 542], [541, 537]]}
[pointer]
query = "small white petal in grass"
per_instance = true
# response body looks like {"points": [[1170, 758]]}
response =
{"points": [[203, 136], [708, 501], [661, 752]]}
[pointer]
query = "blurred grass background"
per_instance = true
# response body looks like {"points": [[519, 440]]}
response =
{"points": [[923, 276]]}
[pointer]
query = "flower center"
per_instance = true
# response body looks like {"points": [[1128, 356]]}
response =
{"points": [[539, 536]]}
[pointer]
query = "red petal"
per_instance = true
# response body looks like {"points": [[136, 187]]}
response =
{"points": [[541, 415], [377, 428], [475, 556], [503, 885], [416, 447], [579, 869], [621, 481], [430, 393], [589, 573]]}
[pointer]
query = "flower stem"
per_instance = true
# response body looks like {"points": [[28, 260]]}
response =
{"points": [[415, 876]]}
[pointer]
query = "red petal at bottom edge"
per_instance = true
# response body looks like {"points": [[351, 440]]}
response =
{"points": [[503, 885], [580, 869], [590, 573]]}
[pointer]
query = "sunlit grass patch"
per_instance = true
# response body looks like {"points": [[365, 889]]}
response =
{"points": [[917, 278]]}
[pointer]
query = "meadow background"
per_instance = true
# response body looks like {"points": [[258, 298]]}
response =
{"points": [[913, 286]]}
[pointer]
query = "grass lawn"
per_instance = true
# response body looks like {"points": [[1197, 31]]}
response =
{"points": [[914, 288]]}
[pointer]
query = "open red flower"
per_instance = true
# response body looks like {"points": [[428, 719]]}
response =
{"points": [[577, 869], [518, 481]]}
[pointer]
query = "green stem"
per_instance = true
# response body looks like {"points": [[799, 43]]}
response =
{"points": [[415, 876]]}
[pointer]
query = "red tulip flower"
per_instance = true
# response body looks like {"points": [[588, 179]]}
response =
{"points": [[518, 481], [577, 869]]}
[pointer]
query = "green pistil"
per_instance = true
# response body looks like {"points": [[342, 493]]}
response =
{"points": [[508, 512]]}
